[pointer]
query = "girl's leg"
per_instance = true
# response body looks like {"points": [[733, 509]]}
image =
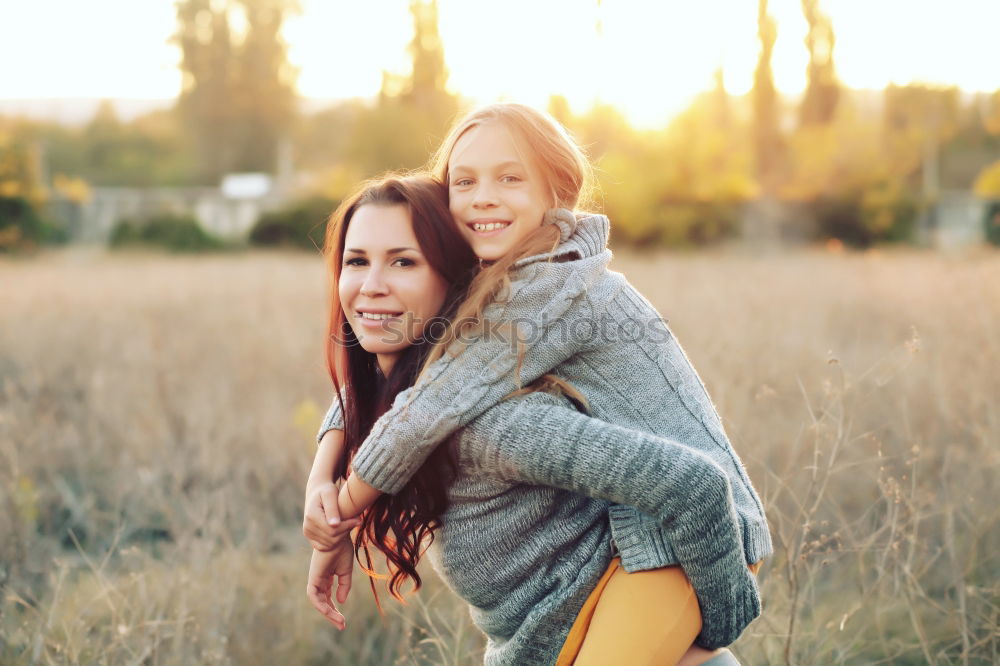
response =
{"points": [[645, 618]]}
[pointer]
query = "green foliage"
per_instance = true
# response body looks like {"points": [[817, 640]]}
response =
{"points": [[23, 228], [239, 96], [300, 225], [988, 182], [177, 233], [991, 223], [881, 213]]}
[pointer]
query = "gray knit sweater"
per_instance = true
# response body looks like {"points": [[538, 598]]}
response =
{"points": [[588, 324], [526, 535]]}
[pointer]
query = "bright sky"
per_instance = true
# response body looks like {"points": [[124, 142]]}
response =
{"points": [[649, 57]]}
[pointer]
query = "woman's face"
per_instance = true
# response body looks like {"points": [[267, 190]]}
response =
{"points": [[387, 288], [496, 194]]}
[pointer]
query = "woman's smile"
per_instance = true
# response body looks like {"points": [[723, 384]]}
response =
{"points": [[377, 318]]}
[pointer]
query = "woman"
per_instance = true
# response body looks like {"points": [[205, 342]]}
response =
{"points": [[527, 592], [545, 301]]}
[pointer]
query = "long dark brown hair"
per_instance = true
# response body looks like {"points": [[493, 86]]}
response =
{"points": [[402, 525]]}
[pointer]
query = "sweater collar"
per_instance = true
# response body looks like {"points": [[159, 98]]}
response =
{"points": [[583, 235]]}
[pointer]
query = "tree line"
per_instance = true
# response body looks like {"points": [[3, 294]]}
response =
{"points": [[862, 164]]}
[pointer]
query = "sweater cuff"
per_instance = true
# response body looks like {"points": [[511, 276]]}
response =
{"points": [[374, 470], [334, 420]]}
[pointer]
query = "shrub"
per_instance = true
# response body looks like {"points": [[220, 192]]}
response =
{"points": [[21, 226], [302, 224], [177, 233], [882, 213], [992, 222]]}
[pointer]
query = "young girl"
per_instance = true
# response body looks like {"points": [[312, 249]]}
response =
{"points": [[561, 309]]}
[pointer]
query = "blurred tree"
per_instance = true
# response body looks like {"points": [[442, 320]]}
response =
{"points": [[238, 96], [987, 183], [265, 85], [822, 92], [991, 119], [917, 119], [22, 193], [558, 108], [677, 186], [767, 139], [205, 104], [413, 111], [425, 88]]}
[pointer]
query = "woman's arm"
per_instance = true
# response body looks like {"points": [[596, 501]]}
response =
{"points": [[321, 521], [546, 299], [538, 439]]}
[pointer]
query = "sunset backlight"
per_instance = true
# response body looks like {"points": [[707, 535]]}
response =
{"points": [[647, 58]]}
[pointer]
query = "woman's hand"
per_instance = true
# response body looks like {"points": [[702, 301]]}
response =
{"points": [[323, 568], [321, 523]]}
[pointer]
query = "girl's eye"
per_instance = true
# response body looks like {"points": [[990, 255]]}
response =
{"points": [[404, 262], [355, 261], [462, 182], [510, 179]]}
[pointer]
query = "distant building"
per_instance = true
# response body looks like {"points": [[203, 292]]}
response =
{"points": [[228, 211], [956, 219]]}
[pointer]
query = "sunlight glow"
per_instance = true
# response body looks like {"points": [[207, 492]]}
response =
{"points": [[647, 58]]}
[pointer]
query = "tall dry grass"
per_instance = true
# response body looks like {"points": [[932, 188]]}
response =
{"points": [[157, 418]]}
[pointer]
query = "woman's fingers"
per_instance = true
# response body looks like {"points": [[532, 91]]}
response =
{"points": [[328, 496], [323, 537], [315, 529], [344, 585], [319, 586], [343, 528], [321, 602]]}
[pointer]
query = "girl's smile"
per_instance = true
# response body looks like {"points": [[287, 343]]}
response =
{"points": [[496, 194]]}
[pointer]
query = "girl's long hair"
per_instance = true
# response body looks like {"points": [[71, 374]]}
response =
{"points": [[397, 525]]}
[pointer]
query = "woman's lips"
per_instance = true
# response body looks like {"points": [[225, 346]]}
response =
{"points": [[377, 319]]}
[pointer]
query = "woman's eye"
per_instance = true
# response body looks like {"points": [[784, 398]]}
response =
{"points": [[404, 262], [462, 182], [510, 179], [356, 261]]}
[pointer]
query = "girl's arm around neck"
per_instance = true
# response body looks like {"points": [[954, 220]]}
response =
{"points": [[526, 337], [539, 439], [355, 496]]}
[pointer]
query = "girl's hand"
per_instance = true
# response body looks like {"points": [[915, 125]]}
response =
{"points": [[321, 523], [324, 566]]}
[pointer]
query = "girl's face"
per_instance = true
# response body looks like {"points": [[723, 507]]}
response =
{"points": [[497, 195], [387, 288]]}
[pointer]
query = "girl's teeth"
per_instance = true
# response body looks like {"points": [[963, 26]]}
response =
{"points": [[492, 226], [376, 315]]}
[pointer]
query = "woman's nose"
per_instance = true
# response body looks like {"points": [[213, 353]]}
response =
{"points": [[374, 284]]}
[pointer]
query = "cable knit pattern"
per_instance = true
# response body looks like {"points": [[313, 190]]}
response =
{"points": [[589, 325], [526, 536]]}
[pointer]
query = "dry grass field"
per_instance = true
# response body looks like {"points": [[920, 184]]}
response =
{"points": [[156, 427]]}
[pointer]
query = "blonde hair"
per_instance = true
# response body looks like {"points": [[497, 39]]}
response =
{"points": [[566, 170], [568, 175]]}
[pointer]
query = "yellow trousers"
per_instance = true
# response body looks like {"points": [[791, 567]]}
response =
{"points": [[644, 618]]}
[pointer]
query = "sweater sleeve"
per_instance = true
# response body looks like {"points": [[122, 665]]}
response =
{"points": [[334, 419], [543, 301], [538, 440]]}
